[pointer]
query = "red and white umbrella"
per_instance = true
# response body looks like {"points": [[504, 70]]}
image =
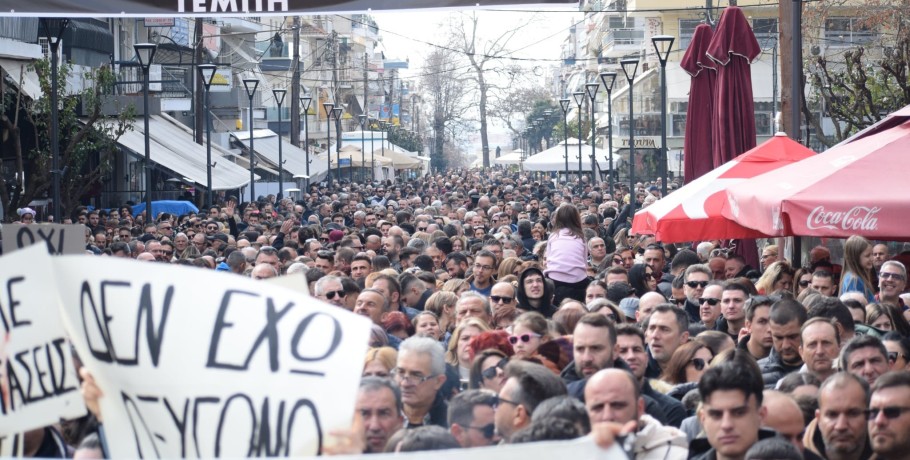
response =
{"points": [[859, 187], [693, 213]]}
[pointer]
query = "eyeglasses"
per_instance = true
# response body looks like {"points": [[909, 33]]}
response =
{"points": [[491, 372], [893, 276], [891, 412], [766, 256], [696, 284], [332, 294], [523, 337], [168, 253], [125, 235], [478, 267], [488, 430], [680, 302], [803, 283], [893, 355], [698, 363], [653, 276], [421, 229], [502, 299], [166, 228], [404, 377], [712, 301], [499, 400]]}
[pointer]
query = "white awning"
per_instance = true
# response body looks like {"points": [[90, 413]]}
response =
{"points": [[26, 79], [265, 142], [173, 148]]}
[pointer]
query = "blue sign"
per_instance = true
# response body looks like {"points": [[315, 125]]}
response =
{"points": [[344, 162]]}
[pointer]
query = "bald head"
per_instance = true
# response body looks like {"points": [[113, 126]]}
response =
{"points": [[613, 395], [647, 303], [784, 416]]}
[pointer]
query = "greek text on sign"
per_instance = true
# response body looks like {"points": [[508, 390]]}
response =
{"points": [[231, 6], [58, 238], [240, 368], [857, 218]]}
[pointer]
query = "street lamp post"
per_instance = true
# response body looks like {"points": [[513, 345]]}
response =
{"points": [[372, 155], [206, 74], [591, 89], [328, 143], [630, 67], [363, 119], [279, 99], [336, 113], [250, 85], [145, 52], [579, 100], [305, 103], [608, 78], [564, 103], [662, 45], [54, 28]]}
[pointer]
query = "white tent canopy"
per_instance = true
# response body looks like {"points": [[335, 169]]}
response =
{"points": [[553, 159], [511, 158]]}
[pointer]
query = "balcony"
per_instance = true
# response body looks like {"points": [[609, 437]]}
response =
{"points": [[619, 42], [241, 25]]}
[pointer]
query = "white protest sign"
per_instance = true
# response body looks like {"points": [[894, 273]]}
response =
{"points": [[194, 363], [580, 449], [295, 281], [58, 238], [39, 380]]}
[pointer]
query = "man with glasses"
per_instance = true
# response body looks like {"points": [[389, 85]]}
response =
{"points": [[527, 385], [330, 290], [503, 296], [471, 418], [889, 416], [892, 280], [709, 304], [696, 279], [484, 267], [124, 234], [420, 372]]}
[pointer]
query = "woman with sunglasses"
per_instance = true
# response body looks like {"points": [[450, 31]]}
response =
{"points": [[686, 367], [898, 347], [487, 370], [642, 279], [801, 280]]}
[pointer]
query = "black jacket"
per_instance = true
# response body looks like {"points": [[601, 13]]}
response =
{"points": [[700, 448], [576, 389], [773, 369], [674, 409]]}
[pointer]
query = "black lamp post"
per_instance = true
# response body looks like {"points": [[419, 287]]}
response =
{"points": [[251, 84], [336, 114], [372, 155], [608, 78], [206, 74], [328, 143], [279, 99], [305, 104], [579, 100], [145, 53], [630, 67], [363, 120], [662, 45], [564, 103], [591, 89], [53, 29]]}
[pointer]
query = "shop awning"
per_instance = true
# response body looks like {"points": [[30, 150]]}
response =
{"points": [[173, 148], [265, 141], [24, 78]]}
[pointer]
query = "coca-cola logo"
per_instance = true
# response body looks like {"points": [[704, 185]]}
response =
{"points": [[856, 218]]}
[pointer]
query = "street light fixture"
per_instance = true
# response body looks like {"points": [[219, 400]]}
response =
{"points": [[305, 103], [336, 113], [662, 45], [608, 79], [363, 120], [591, 89], [250, 85], [564, 103], [207, 74], [579, 100], [372, 154], [53, 29], [279, 99], [630, 67], [328, 106], [145, 53]]}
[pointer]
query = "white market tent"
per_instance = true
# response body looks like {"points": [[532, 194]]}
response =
{"points": [[553, 159], [511, 158]]}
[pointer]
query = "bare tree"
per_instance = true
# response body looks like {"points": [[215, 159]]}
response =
{"points": [[482, 54], [445, 87]]}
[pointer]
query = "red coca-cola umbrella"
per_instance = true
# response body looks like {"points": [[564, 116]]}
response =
{"points": [[733, 48], [858, 187], [697, 151], [693, 213]]}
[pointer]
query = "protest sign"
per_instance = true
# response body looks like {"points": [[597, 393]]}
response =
{"points": [[193, 363], [295, 281], [39, 383], [59, 238], [582, 448]]}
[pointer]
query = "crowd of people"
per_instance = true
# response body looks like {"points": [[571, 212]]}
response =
{"points": [[510, 309]]}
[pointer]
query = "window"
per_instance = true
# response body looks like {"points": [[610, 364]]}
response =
{"points": [[765, 30], [848, 32], [686, 31]]}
